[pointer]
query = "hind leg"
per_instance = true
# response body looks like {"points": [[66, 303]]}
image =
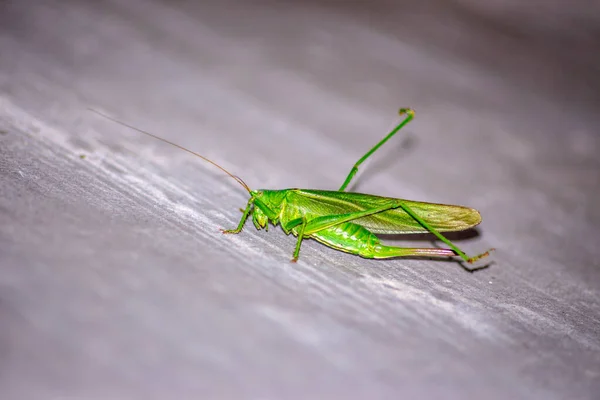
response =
{"points": [[355, 239]]}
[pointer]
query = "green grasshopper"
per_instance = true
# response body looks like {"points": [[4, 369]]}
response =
{"points": [[348, 221]]}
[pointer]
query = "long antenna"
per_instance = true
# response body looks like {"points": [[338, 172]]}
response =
{"points": [[238, 179]]}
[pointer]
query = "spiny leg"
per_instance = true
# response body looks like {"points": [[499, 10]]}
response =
{"points": [[410, 114], [458, 251], [383, 251], [299, 242], [247, 212]]}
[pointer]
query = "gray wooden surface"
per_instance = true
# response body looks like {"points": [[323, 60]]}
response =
{"points": [[116, 283]]}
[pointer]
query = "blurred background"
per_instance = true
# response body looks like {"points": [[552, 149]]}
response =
{"points": [[116, 283]]}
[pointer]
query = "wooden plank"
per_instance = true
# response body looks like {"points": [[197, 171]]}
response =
{"points": [[116, 283]]}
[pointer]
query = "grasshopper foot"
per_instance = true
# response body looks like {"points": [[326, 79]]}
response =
{"points": [[480, 256], [228, 231]]}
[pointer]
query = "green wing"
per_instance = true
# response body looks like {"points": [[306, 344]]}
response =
{"points": [[442, 217]]}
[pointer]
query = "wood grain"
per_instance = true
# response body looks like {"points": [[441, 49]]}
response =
{"points": [[116, 283]]}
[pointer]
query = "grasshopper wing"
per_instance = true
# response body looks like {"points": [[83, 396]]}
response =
{"points": [[442, 217]]}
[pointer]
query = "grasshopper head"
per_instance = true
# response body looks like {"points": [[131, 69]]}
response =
{"points": [[257, 194], [269, 198], [266, 202]]}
